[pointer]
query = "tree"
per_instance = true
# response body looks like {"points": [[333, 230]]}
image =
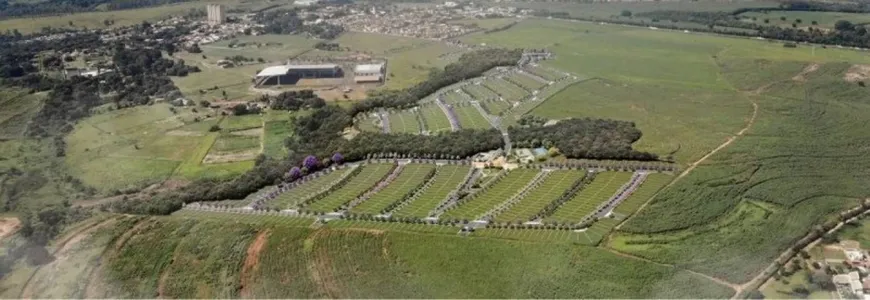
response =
{"points": [[815, 23], [214, 128], [782, 18], [625, 13], [843, 25], [766, 21]]}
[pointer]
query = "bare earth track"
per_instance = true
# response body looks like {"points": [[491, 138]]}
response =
{"points": [[252, 262]]}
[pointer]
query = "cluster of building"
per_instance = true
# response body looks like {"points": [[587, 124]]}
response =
{"points": [[419, 22], [855, 284]]}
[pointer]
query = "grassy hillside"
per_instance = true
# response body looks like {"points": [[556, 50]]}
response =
{"points": [[167, 257]]}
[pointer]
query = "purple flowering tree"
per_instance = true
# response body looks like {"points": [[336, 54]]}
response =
{"points": [[337, 158], [310, 162], [294, 173]]}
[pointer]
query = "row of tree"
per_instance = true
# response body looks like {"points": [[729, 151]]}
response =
{"points": [[12, 9]]}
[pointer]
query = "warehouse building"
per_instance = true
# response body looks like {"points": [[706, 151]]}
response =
{"points": [[290, 74], [368, 73]]}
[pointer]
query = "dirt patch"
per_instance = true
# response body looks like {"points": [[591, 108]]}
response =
{"points": [[807, 70], [184, 133], [252, 262], [337, 95], [8, 226], [857, 73], [230, 157]]}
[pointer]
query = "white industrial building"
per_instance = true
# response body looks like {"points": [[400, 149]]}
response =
{"points": [[216, 15], [290, 74], [368, 73]]}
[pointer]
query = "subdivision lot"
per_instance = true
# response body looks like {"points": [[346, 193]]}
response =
{"points": [[412, 175], [550, 189], [367, 178], [497, 193], [447, 179], [583, 203]]}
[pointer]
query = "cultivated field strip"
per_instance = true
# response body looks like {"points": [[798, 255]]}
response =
{"points": [[605, 185], [435, 119], [411, 177], [367, 178], [300, 193], [550, 189], [394, 226], [294, 221], [653, 183], [469, 117], [447, 179], [495, 194]]}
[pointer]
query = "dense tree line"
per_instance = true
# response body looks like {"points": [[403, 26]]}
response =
{"points": [[584, 138], [469, 65], [458, 144], [287, 21], [294, 100], [53, 7]]}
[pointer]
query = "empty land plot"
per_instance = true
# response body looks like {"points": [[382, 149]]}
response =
{"points": [[306, 190], [274, 135], [526, 81], [447, 179], [235, 143], [412, 175], [550, 189], [435, 118], [496, 107], [506, 90], [602, 188], [479, 92], [652, 184], [599, 229], [367, 178], [234, 123], [543, 73], [499, 192], [470, 118], [404, 121]]}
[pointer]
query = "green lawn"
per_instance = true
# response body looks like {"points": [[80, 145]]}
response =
{"points": [[550, 189], [497, 193], [652, 184], [435, 118], [508, 91], [822, 18], [470, 117], [404, 121], [584, 202], [412, 176], [299, 194], [447, 179], [355, 186]]}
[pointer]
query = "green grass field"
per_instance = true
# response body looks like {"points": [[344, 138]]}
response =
{"points": [[235, 143], [543, 72], [435, 118], [447, 179], [274, 134], [584, 202], [479, 93], [355, 186], [452, 97], [497, 193], [404, 121], [411, 176], [508, 91], [550, 189], [496, 107], [526, 81], [470, 117]]}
